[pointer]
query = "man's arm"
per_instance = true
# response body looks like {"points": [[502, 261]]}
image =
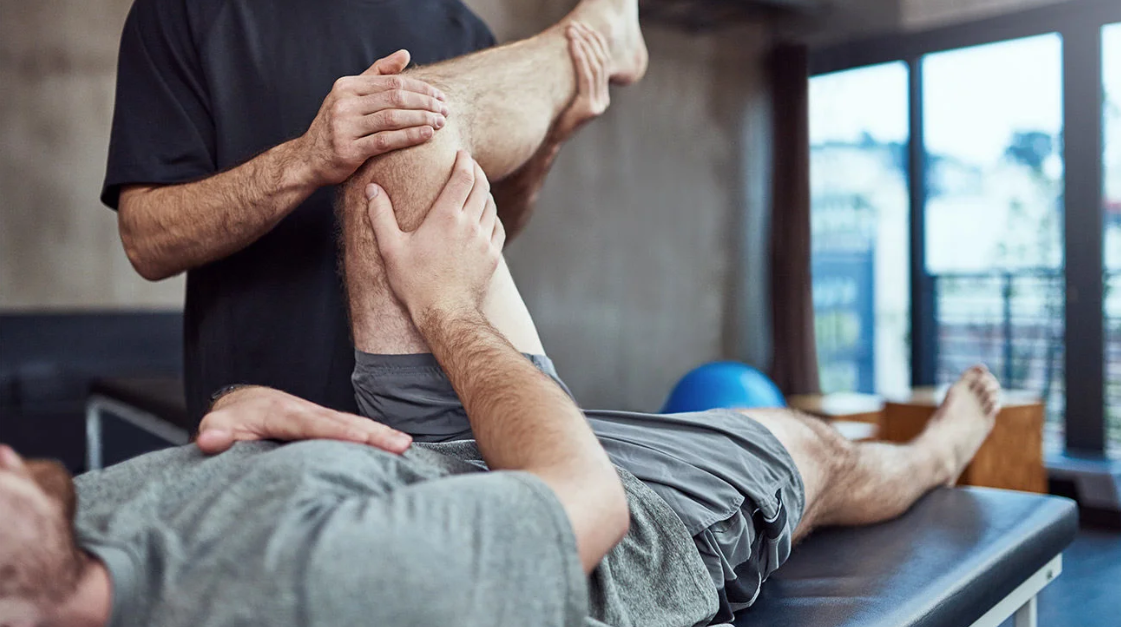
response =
{"points": [[516, 195], [168, 229], [522, 420]]}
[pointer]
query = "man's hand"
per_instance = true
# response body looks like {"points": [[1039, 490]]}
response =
{"points": [[368, 115], [260, 413], [447, 263], [517, 193], [591, 55]]}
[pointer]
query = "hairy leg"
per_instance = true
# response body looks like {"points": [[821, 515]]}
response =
{"points": [[851, 483], [502, 103]]}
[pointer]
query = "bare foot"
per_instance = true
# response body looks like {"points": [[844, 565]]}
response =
{"points": [[617, 20], [963, 421]]}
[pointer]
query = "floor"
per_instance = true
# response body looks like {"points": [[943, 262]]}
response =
{"points": [[1088, 593]]}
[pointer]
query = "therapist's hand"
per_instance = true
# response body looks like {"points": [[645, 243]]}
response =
{"points": [[260, 413], [590, 55], [448, 261], [369, 115]]}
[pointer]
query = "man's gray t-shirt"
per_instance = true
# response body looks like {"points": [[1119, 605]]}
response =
{"points": [[329, 533]]}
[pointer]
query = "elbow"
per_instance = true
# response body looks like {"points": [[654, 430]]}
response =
{"points": [[607, 525], [618, 513], [142, 261]]}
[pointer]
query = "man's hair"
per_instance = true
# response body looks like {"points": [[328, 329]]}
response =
{"points": [[40, 561]]}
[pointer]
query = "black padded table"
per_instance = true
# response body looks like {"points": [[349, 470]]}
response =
{"points": [[960, 557]]}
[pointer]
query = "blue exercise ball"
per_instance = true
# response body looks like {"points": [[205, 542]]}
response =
{"points": [[723, 384]]}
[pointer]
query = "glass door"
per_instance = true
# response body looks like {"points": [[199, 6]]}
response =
{"points": [[992, 124], [860, 223], [1111, 170]]}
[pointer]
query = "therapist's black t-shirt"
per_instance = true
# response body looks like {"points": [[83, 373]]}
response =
{"points": [[205, 85]]}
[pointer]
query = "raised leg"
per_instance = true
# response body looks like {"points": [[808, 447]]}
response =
{"points": [[851, 483], [502, 102]]}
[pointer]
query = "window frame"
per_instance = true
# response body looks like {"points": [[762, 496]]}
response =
{"points": [[1079, 23]]}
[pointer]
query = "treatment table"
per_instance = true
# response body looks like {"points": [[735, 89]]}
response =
{"points": [[966, 557]]}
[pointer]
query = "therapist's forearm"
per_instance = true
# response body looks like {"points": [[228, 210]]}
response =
{"points": [[169, 229], [522, 420]]}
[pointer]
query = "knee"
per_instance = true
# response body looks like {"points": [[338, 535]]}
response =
{"points": [[412, 177], [838, 452]]}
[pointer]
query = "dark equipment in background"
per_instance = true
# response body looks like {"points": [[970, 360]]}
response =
{"points": [[49, 364]]}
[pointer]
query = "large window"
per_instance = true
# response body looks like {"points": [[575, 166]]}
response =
{"points": [[982, 205], [992, 125], [1111, 70], [860, 223]]}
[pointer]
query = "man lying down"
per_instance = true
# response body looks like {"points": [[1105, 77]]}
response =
{"points": [[513, 507], [341, 533]]}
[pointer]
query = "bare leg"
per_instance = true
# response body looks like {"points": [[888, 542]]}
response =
{"points": [[503, 102], [864, 483]]}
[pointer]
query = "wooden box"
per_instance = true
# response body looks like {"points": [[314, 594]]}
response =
{"points": [[1011, 458]]}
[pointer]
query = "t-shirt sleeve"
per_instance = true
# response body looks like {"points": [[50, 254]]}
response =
{"points": [[162, 130], [474, 550], [484, 37]]}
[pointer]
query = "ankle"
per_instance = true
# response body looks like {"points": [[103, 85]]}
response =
{"points": [[936, 458]]}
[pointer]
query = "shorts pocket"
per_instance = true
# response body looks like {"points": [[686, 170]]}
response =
{"points": [[773, 534]]}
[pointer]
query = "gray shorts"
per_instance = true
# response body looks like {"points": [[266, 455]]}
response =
{"points": [[726, 476]]}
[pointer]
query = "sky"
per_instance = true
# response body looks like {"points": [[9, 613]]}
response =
{"points": [[975, 98], [869, 99], [1111, 69]]}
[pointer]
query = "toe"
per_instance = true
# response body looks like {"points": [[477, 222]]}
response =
{"points": [[973, 375], [976, 384]]}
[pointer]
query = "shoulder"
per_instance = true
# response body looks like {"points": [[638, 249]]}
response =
{"points": [[477, 33], [193, 16]]}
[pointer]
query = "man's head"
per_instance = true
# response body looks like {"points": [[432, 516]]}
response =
{"points": [[40, 562]]}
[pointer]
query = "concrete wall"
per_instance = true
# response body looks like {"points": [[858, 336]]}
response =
{"points": [[58, 245], [641, 263]]}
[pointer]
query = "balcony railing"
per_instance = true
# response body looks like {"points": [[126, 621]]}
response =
{"points": [[1013, 323]]}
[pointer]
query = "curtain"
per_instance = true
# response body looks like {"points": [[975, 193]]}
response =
{"points": [[794, 364]]}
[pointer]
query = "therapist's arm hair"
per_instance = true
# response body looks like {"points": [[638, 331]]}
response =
{"points": [[168, 229]]}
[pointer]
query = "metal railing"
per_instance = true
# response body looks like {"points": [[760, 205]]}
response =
{"points": [[1014, 323]]}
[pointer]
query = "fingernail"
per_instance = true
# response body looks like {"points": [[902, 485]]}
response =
{"points": [[402, 440], [440, 121], [372, 191], [444, 111], [441, 96]]}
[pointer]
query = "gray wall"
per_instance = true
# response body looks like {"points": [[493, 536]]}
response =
{"points": [[633, 266], [58, 245]]}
